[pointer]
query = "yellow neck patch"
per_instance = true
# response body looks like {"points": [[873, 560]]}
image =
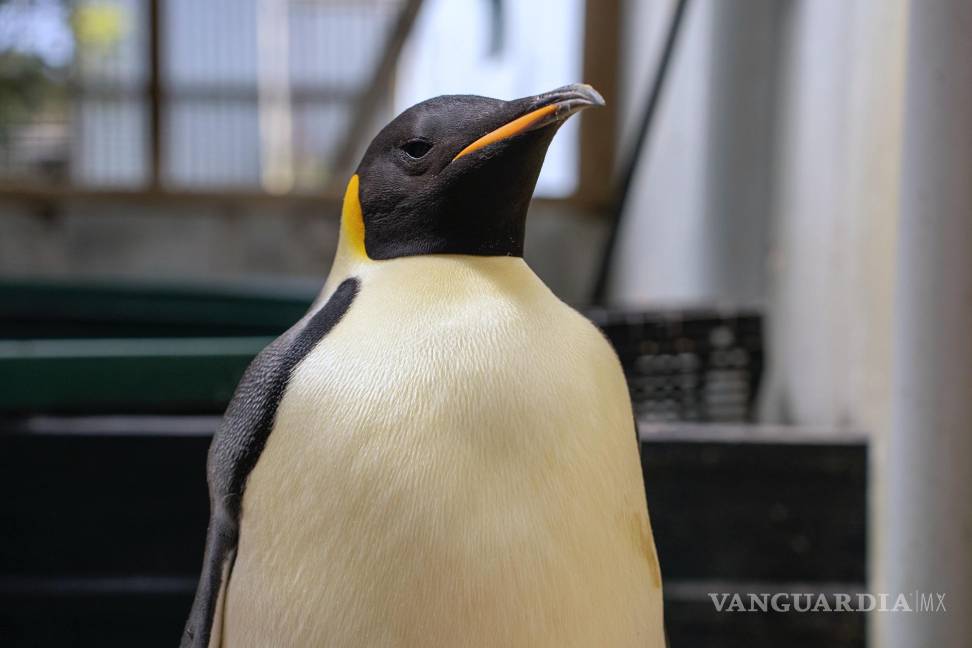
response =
{"points": [[352, 220]]}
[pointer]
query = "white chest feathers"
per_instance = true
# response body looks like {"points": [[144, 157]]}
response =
{"points": [[454, 464]]}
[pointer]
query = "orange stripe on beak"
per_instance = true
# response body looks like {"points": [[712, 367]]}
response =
{"points": [[506, 131]]}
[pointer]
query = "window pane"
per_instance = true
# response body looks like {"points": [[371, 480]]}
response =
{"points": [[209, 43], [108, 142], [71, 78], [112, 40], [260, 89], [212, 144], [337, 44]]}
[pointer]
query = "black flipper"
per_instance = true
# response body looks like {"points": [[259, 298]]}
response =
{"points": [[237, 445]]}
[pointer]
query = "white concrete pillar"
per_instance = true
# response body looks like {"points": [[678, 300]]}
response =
{"points": [[743, 76], [660, 239], [695, 227], [835, 213], [927, 527], [273, 96]]}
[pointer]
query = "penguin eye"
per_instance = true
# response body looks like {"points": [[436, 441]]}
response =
{"points": [[416, 148]]}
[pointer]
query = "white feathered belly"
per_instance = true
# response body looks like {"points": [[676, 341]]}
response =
{"points": [[453, 465]]}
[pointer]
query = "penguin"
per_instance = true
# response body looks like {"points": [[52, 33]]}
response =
{"points": [[440, 452]]}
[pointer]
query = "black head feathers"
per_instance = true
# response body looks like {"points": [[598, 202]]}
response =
{"points": [[455, 174]]}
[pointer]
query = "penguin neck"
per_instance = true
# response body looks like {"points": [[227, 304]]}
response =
{"points": [[351, 259], [440, 278], [350, 256]]}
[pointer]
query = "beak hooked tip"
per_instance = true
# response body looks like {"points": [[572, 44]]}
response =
{"points": [[577, 97], [585, 93]]}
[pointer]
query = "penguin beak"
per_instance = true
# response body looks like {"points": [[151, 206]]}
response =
{"points": [[538, 111]]}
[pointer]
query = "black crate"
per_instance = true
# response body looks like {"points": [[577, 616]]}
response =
{"points": [[699, 366]]}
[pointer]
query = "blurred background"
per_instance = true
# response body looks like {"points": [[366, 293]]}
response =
{"points": [[771, 221]]}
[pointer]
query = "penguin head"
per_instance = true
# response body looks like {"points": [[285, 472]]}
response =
{"points": [[455, 174]]}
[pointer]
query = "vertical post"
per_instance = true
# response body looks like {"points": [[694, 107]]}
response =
{"points": [[274, 101], [155, 93], [602, 27], [927, 527], [743, 72], [834, 209], [369, 100]]}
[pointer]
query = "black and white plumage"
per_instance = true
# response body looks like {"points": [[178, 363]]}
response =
{"points": [[441, 452]]}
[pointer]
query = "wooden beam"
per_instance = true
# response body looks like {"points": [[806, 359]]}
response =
{"points": [[364, 109], [156, 101], [325, 202], [627, 171], [598, 128]]}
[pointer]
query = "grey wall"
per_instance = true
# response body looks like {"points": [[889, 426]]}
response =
{"points": [[187, 240], [697, 222]]}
